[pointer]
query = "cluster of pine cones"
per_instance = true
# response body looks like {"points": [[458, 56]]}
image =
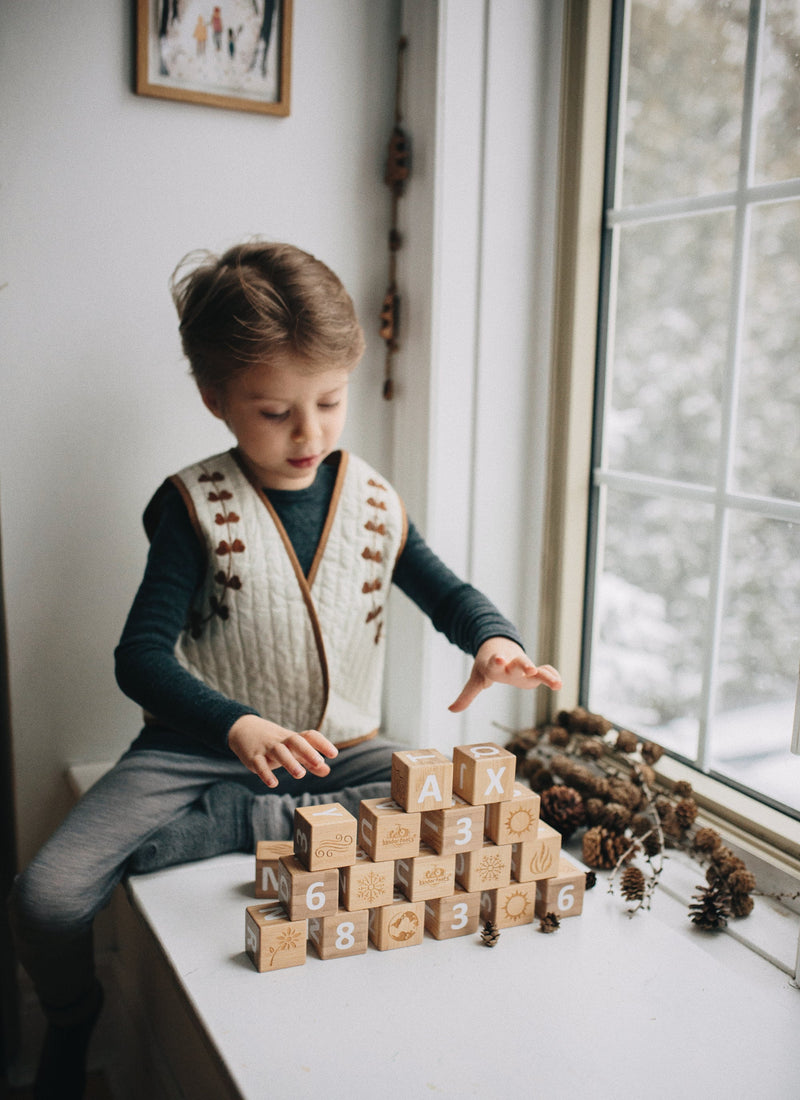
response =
{"points": [[592, 776]]}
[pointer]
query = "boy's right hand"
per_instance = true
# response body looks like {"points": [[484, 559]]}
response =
{"points": [[263, 747]]}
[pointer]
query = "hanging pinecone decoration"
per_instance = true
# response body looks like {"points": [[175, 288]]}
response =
{"points": [[490, 934], [633, 884], [710, 908], [549, 923]]}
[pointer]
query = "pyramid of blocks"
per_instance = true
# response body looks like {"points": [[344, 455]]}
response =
{"points": [[458, 842]]}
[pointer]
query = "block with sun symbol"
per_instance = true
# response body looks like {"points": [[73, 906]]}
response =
{"points": [[268, 855], [427, 875], [386, 831], [459, 828], [485, 869], [509, 905], [272, 941], [563, 893], [514, 821], [483, 773], [537, 859], [400, 924], [422, 779], [366, 884], [339, 934], [457, 914], [324, 836]]}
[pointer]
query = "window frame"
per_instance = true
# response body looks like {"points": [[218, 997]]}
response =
{"points": [[585, 126]]}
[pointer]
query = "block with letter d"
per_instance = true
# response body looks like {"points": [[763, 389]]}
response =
{"points": [[457, 914], [483, 773], [422, 779], [563, 893], [268, 856], [272, 941], [339, 934], [324, 836], [307, 893]]}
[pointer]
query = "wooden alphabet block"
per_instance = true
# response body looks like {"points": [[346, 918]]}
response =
{"points": [[457, 914], [386, 831], [272, 940], [307, 893], [324, 836], [483, 773], [427, 875], [268, 854], [537, 859], [400, 924], [515, 821], [485, 869], [422, 779], [458, 828], [509, 905], [562, 894], [339, 934], [366, 884]]}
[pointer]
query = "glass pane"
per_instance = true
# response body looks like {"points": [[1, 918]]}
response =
{"points": [[767, 457], [650, 616], [670, 345], [758, 658], [778, 141], [682, 118]]}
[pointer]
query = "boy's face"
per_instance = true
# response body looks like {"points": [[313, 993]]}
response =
{"points": [[286, 420]]}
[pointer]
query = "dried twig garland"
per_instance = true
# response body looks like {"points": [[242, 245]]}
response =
{"points": [[398, 167]]}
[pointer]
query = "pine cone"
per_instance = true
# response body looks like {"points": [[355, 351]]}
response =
{"points": [[592, 750], [594, 810], [591, 880], [652, 844], [651, 752], [600, 848], [741, 905], [626, 741], [707, 840], [741, 882], [615, 817], [682, 789], [622, 790], [557, 735], [490, 934], [710, 908], [563, 808], [633, 884], [549, 923], [686, 812]]}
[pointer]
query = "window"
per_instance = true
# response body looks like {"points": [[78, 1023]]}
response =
{"points": [[692, 630]]}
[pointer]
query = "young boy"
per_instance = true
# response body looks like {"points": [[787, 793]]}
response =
{"points": [[255, 642]]}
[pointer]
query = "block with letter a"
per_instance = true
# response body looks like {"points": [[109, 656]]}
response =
{"points": [[268, 855], [422, 779], [272, 941], [324, 836], [483, 773], [563, 893]]}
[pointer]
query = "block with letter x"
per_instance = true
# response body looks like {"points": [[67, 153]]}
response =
{"points": [[483, 773]]}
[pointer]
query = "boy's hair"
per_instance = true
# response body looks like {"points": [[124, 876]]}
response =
{"points": [[260, 301]]}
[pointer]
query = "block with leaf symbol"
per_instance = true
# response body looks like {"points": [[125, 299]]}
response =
{"points": [[272, 941]]}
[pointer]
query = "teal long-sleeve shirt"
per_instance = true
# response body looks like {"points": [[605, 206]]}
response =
{"points": [[191, 716]]}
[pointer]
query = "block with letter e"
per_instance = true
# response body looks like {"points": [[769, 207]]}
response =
{"points": [[509, 905], [399, 924], [483, 773], [339, 934], [422, 779], [515, 821], [457, 828], [272, 941], [457, 914], [563, 893], [386, 831], [307, 893], [324, 836], [268, 855]]}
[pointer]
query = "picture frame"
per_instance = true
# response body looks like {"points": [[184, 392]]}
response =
{"points": [[235, 54]]}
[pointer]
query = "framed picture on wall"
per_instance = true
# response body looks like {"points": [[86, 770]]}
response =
{"points": [[235, 54]]}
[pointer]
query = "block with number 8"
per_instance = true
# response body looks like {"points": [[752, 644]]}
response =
{"points": [[340, 934]]}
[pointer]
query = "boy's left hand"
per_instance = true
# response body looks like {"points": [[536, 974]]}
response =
{"points": [[501, 661]]}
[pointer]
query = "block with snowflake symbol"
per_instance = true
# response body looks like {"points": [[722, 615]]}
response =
{"points": [[485, 869], [515, 821], [339, 934], [272, 941], [427, 875], [509, 905], [366, 884]]}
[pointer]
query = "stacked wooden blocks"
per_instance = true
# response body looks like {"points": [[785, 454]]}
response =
{"points": [[458, 842]]}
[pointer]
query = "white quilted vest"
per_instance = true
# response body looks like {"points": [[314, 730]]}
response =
{"points": [[307, 653]]}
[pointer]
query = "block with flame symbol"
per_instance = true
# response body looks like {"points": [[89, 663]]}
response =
{"points": [[532, 860]]}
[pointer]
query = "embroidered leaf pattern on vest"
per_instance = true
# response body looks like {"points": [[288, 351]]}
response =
{"points": [[227, 580], [376, 527]]}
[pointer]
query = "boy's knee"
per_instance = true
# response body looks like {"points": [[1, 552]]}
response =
{"points": [[37, 902]]}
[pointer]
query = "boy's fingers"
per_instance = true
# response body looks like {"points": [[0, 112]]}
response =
{"points": [[263, 771]]}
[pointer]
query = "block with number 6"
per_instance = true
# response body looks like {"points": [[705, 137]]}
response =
{"points": [[307, 893], [562, 894]]}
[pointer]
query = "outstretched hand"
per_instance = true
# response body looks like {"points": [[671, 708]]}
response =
{"points": [[264, 747], [501, 661]]}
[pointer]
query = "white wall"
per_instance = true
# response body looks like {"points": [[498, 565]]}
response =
{"points": [[102, 193]]}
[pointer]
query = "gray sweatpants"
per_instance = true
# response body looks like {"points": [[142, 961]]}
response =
{"points": [[55, 899]]}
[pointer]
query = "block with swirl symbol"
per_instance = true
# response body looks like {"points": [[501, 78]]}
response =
{"points": [[324, 836]]}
